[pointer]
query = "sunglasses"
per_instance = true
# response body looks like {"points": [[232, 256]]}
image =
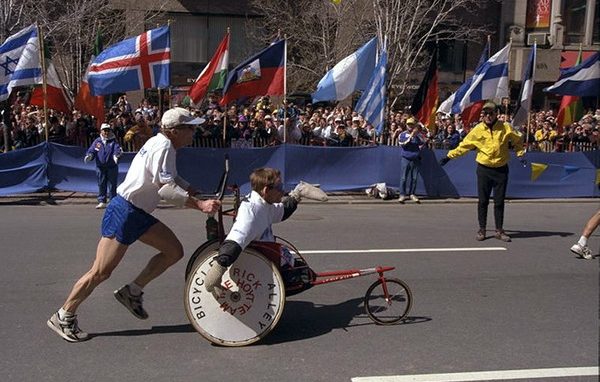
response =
{"points": [[276, 187], [488, 112]]}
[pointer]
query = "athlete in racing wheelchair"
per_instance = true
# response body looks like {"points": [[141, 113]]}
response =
{"points": [[265, 205]]}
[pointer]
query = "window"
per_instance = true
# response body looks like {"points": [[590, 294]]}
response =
{"points": [[451, 56], [574, 21]]}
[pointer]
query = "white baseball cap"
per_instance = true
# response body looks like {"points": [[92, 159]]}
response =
{"points": [[105, 126], [179, 116]]}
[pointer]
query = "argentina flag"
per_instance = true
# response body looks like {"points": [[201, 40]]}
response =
{"points": [[371, 104], [137, 63], [20, 61], [350, 74], [490, 81]]}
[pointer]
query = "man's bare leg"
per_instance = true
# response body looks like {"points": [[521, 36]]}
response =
{"points": [[108, 255]]}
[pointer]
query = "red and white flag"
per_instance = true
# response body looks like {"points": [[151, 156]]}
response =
{"points": [[56, 96], [214, 74]]}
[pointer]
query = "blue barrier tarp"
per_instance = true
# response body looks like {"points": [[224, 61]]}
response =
{"points": [[24, 170], [61, 167]]}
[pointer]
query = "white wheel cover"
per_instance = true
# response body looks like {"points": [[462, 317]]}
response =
{"points": [[248, 307]]}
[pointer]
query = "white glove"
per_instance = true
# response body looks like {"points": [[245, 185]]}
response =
{"points": [[116, 158], [307, 190], [214, 276], [88, 158]]}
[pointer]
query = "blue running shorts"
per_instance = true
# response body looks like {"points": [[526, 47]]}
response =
{"points": [[125, 222]]}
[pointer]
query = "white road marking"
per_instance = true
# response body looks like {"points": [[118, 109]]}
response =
{"points": [[499, 375], [399, 250]]}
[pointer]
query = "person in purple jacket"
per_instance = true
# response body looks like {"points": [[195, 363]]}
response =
{"points": [[106, 150], [411, 141]]}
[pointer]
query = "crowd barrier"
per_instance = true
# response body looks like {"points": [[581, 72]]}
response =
{"points": [[386, 140], [51, 166]]}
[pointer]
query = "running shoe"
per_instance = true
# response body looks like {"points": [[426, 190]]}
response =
{"points": [[582, 251], [67, 328], [132, 302]]}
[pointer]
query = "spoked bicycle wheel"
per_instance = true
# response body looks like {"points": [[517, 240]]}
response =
{"points": [[390, 310]]}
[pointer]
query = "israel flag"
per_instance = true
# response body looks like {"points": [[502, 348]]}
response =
{"points": [[20, 61], [371, 104], [582, 80], [350, 74], [490, 81]]}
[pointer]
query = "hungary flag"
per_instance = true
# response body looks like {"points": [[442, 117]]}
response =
{"points": [[214, 74]]}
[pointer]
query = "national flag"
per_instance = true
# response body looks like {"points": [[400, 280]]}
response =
{"points": [[425, 103], [581, 80], [371, 104], [261, 74], [20, 61], [56, 96], [524, 101], [214, 74], [87, 103], [136, 63], [571, 107], [490, 81], [472, 113], [347, 76]]}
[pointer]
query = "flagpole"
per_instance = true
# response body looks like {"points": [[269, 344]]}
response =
{"points": [[529, 105], [508, 65], [284, 88], [225, 126], [44, 92]]}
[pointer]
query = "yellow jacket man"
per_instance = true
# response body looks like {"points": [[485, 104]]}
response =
{"points": [[491, 139]]}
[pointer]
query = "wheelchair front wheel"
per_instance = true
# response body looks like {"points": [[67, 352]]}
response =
{"points": [[391, 309]]}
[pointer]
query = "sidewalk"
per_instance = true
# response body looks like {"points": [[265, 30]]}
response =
{"points": [[79, 198]]}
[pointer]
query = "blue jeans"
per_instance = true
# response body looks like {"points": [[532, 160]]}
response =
{"points": [[107, 181], [410, 174]]}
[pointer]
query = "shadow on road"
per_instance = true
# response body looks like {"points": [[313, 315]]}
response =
{"points": [[183, 328], [529, 234], [303, 319], [300, 320]]}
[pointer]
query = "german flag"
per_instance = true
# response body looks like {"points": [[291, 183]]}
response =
{"points": [[425, 103]]}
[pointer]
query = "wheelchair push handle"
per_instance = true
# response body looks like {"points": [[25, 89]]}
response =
{"points": [[220, 191]]}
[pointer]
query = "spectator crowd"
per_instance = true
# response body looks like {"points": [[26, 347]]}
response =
{"points": [[264, 123]]}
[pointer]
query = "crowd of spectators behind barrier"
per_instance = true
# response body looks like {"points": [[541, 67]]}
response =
{"points": [[263, 124]]}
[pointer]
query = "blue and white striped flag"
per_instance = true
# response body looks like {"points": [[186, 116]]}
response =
{"points": [[526, 93], [490, 81], [582, 80], [20, 61], [371, 104], [350, 74]]}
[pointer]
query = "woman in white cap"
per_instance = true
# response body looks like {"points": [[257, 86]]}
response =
{"points": [[152, 175], [106, 150]]}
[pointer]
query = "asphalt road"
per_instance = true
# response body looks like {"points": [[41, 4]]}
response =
{"points": [[530, 306]]}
